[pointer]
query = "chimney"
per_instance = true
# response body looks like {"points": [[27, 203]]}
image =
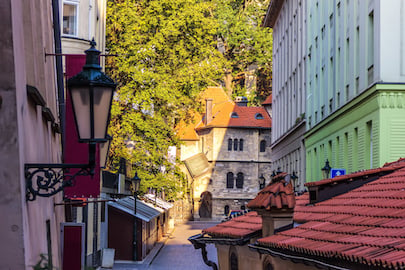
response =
{"points": [[241, 101], [275, 204], [208, 111]]}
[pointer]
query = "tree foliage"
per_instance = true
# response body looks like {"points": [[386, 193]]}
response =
{"points": [[245, 44], [164, 55], [164, 52]]}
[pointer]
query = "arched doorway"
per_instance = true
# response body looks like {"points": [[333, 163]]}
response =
{"points": [[205, 210]]}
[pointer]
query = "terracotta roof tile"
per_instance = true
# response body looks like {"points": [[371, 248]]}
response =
{"points": [[276, 195], [222, 110], [365, 225], [238, 227], [268, 100]]}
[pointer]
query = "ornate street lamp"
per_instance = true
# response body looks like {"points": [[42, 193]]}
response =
{"points": [[262, 182], [326, 170], [91, 92], [135, 184]]}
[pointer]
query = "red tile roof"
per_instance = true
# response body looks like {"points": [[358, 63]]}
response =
{"points": [[268, 100], [365, 225], [278, 195], [238, 227], [222, 110]]}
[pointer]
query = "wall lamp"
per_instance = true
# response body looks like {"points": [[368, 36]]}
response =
{"points": [[262, 182], [326, 169], [91, 92]]}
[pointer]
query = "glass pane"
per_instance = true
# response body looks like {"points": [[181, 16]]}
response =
{"points": [[81, 107], [102, 99], [70, 19]]}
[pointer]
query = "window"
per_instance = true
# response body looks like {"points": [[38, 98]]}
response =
{"points": [[241, 145], [226, 210], [239, 180], [229, 144], [263, 146], [229, 180], [268, 266], [233, 261], [234, 115], [235, 144], [70, 18], [259, 116]]}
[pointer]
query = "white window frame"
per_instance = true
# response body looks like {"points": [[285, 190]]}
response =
{"points": [[76, 30]]}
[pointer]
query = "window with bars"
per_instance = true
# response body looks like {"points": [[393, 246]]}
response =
{"points": [[229, 180], [241, 145], [239, 180], [263, 146]]}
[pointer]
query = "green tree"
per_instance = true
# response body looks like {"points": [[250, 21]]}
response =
{"points": [[244, 43], [165, 54]]}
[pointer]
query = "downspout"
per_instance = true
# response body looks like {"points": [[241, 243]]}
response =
{"points": [[59, 69], [197, 245]]}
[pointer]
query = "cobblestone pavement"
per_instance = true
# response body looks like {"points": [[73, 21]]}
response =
{"points": [[177, 252]]}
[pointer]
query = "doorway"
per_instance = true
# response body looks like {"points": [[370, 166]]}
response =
{"points": [[205, 210]]}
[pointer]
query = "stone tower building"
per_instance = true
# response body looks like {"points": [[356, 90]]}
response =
{"points": [[226, 151]]}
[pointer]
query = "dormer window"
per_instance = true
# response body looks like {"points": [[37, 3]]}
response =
{"points": [[234, 115], [259, 116]]}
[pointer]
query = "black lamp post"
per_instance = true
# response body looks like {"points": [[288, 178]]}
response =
{"points": [[135, 184], [91, 92], [262, 182], [326, 170], [104, 150]]}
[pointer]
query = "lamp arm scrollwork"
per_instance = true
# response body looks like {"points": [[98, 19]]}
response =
{"points": [[46, 180]]}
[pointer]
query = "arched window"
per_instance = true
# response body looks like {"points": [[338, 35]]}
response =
{"points": [[241, 145], [259, 116], [235, 144], [233, 261], [268, 266], [234, 115], [229, 144], [263, 146], [239, 180], [226, 210], [229, 180]]}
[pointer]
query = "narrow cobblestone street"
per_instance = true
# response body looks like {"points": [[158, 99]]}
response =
{"points": [[178, 253]]}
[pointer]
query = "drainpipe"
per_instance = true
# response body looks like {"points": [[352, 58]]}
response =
{"points": [[59, 68]]}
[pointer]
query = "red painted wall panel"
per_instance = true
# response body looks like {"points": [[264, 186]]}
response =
{"points": [[75, 152]]}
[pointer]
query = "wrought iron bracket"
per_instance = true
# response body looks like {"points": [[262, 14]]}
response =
{"points": [[46, 180]]}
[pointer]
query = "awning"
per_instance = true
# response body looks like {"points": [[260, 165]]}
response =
{"points": [[159, 202], [144, 211]]}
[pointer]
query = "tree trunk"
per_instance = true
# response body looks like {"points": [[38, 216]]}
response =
{"points": [[228, 82]]}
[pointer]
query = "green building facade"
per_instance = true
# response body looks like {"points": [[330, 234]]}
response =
{"points": [[365, 133], [355, 82]]}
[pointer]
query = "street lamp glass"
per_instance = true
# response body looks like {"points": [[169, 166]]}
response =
{"points": [[91, 92], [136, 181]]}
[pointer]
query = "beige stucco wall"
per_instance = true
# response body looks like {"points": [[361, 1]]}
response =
{"points": [[249, 259]]}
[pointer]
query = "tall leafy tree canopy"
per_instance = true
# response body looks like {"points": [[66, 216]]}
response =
{"points": [[163, 53], [244, 43]]}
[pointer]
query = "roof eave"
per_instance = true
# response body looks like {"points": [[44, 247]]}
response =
{"points": [[272, 13]]}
